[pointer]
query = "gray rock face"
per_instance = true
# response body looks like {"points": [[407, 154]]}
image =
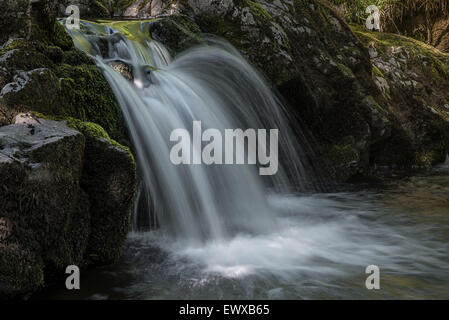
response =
{"points": [[44, 213], [354, 97], [311, 56], [66, 199]]}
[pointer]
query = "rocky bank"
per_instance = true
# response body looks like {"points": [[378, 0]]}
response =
{"points": [[67, 188], [371, 100]]}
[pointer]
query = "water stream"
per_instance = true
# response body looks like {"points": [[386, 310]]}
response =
{"points": [[226, 232]]}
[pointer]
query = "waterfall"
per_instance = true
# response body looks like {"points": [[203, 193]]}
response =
{"points": [[226, 232], [211, 83]]}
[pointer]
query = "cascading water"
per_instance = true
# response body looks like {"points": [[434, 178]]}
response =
{"points": [[212, 84], [226, 232]]}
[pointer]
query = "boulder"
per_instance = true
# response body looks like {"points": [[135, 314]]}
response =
{"points": [[361, 99], [66, 199], [310, 56], [45, 213], [52, 77], [414, 81], [109, 178]]}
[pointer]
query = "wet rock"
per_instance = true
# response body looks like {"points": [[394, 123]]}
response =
{"points": [[176, 32], [34, 82], [123, 68], [66, 199], [337, 84], [109, 178], [414, 81], [45, 213]]}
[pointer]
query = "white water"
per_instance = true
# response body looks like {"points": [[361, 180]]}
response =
{"points": [[212, 84], [222, 220]]}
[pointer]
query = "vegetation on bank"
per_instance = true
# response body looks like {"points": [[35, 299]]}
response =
{"points": [[355, 10], [425, 20], [69, 197]]}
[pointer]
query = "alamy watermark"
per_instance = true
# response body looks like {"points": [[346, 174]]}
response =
{"points": [[373, 280], [373, 20], [73, 19], [189, 150], [73, 280]]}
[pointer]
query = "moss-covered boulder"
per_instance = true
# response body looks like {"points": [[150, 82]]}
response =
{"points": [[61, 89], [109, 178], [414, 81], [359, 112], [312, 58], [177, 32], [45, 212], [44, 72], [66, 196]]}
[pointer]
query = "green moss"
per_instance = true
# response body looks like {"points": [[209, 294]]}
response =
{"points": [[99, 9], [69, 83], [59, 37], [258, 10], [177, 32], [345, 70], [88, 129], [377, 72], [384, 41], [76, 57], [55, 53], [223, 27], [86, 95], [14, 44], [425, 158], [93, 130], [371, 101], [121, 5]]}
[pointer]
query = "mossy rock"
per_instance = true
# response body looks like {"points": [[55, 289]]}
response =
{"points": [[76, 57], [22, 273], [177, 33], [86, 95], [417, 78], [109, 178], [41, 165]]}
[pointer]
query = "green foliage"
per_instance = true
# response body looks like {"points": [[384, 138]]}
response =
{"points": [[355, 10], [258, 10]]}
